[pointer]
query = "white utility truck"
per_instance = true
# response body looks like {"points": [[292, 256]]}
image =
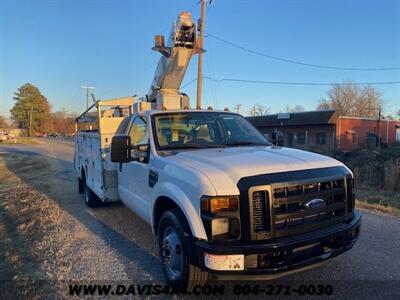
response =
{"points": [[223, 201]]}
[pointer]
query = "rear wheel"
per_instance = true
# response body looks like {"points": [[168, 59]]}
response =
{"points": [[91, 198], [174, 249], [81, 187]]}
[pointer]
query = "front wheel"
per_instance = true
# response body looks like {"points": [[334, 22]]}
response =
{"points": [[174, 249]]}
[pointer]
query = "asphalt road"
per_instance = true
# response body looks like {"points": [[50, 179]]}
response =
{"points": [[130, 246]]}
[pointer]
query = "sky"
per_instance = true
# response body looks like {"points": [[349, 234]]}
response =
{"points": [[60, 45]]}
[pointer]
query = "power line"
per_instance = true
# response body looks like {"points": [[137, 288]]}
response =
{"points": [[293, 83], [302, 83], [189, 83], [298, 62]]}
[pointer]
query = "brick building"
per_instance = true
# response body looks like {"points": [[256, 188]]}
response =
{"points": [[361, 133], [325, 132], [311, 130]]}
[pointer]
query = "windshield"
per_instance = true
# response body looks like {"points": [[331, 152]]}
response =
{"points": [[204, 130]]}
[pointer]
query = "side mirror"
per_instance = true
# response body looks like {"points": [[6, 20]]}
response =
{"points": [[121, 149], [141, 153], [277, 138]]}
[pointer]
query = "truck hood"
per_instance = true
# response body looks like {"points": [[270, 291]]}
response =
{"points": [[225, 166]]}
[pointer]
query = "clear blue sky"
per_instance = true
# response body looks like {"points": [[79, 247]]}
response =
{"points": [[60, 45]]}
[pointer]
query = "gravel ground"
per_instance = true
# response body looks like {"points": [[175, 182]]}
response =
{"points": [[50, 234]]}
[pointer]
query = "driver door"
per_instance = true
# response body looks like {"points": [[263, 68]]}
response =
{"points": [[133, 177]]}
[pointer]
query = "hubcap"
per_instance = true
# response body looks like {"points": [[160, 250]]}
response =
{"points": [[171, 253], [87, 194]]}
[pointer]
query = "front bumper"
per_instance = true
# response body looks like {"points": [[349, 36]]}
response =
{"points": [[284, 255]]}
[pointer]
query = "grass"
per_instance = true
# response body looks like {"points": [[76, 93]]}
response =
{"points": [[382, 198], [362, 204], [28, 229]]}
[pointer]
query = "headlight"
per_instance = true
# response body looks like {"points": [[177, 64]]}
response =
{"points": [[221, 217]]}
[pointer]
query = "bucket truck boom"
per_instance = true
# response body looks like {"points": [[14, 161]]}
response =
{"points": [[181, 46]]}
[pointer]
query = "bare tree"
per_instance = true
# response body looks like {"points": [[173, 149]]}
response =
{"points": [[62, 122], [350, 100], [323, 105], [3, 122], [369, 102], [259, 110]]}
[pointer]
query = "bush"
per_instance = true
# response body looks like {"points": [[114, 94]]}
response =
{"points": [[379, 169]]}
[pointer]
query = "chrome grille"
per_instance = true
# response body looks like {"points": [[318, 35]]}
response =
{"points": [[260, 211], [289, 216]]}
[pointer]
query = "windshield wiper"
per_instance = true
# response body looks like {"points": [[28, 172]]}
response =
{"points": [[245, 144], [191, 146]]}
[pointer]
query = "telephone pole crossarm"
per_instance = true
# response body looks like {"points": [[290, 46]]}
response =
{"points": [[87, 88]]}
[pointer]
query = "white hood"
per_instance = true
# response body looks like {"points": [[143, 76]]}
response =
{"points": [[225, 166]]}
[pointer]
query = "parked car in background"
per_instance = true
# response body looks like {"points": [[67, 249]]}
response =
{"points": [[5, 137]]}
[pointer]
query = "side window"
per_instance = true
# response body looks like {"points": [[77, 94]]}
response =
{"points": [[138, 132], [321, 138], [301, 138], [290, 139]]}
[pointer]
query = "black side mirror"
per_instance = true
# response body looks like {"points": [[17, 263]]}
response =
{"points": [[141, 153], [277, 138], [121, 149]]}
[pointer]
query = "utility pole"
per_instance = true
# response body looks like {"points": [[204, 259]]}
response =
{"points": [[237, 108], [30, 122], [87, 88], [201, 53], [253, 111], [65, 121], [378, 127]]}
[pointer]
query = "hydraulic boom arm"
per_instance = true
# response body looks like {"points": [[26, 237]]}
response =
{"points": [[176, 55]]}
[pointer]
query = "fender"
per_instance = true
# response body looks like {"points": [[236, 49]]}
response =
{"points": [[185, 204], [84, 168]]}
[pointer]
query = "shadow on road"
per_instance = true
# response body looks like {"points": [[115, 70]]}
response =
{"points": [[56, 179]]}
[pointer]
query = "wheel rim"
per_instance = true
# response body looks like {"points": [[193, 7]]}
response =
{"points": [[171, 253], [86, 194]]}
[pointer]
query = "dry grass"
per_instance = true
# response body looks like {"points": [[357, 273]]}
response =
{"points": [[362, 204], [377, 175], [36, 244], [22, 141], [378, 197], [29, 223]]}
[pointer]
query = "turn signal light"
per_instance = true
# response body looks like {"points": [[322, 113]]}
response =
{"points": [[219, 204]]}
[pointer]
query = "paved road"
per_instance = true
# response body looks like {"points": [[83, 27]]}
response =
{"points": [[132, 254]]}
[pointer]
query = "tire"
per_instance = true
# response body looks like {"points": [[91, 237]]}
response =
{"points": [[91, 198], [81, 187], [174, 237]]}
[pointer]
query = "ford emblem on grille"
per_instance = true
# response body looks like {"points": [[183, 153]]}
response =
{"points": [[314, 204]]}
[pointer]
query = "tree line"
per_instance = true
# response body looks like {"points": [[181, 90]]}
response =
{"points": [[32, 112]]}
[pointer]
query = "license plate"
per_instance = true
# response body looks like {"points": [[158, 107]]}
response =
{"points": [[224, 262]]}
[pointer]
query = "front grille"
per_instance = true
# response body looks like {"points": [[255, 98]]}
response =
{"points": [[279, 210], [260, 211]]}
